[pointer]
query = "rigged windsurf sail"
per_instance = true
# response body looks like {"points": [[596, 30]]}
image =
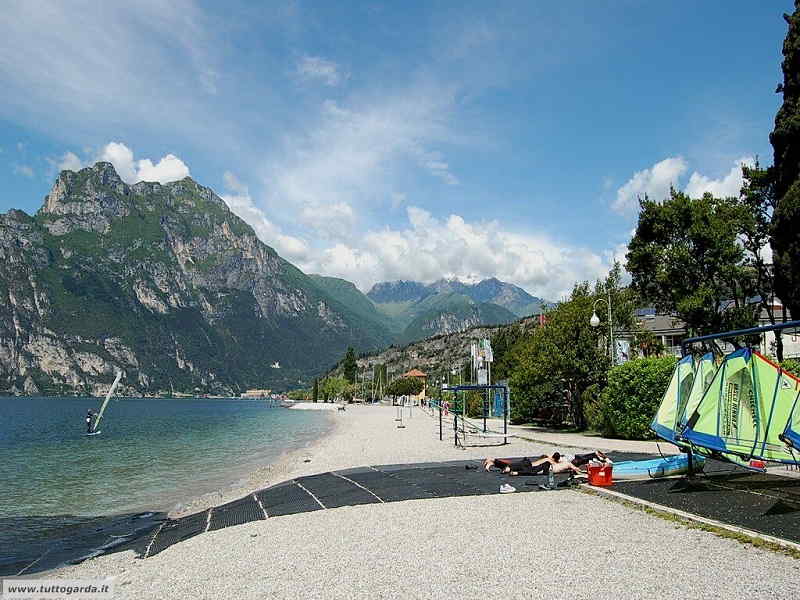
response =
{"points": [[674, 401], [791, 433], [705, 369], [105, 402], [744, 411]]}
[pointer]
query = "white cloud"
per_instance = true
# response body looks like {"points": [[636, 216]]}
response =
{"points": [[23, 170], [653, 182], [143, 63], [726, 187], [431, 248], [242, 205], [350, 155], [330, 220], [169, 168], [69, 162], [315, 67]]}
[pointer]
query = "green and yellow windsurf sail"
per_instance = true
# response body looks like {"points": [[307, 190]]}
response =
{"points": [[674, 401], [745, 409]]}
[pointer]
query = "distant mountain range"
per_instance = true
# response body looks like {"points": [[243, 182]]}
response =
{"points": [[165, 283], [412, 310]]}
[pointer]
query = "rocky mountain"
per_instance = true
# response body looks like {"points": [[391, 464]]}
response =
{"points": [[165, 283], [396, 297]]}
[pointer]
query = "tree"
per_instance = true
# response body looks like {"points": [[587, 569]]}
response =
{"points": [[405, 386], [757, 199], [315, 393], [333, 388], [785, 139], [558, 361], [349, 365], [686, 259], [503, 343]]}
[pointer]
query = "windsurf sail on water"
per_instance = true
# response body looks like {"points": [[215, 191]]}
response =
{"points": [[745, 409], [105, 402], [674, 401]]}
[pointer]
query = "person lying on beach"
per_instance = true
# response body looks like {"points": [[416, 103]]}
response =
{"points": [[528, 466], [580, 460]]}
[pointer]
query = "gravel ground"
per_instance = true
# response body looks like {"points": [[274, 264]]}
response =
{"points": [[538, 545]]}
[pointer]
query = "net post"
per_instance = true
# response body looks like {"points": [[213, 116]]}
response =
{"points": [[440, 420], [505, 415], [485, 409], [455, 429]]}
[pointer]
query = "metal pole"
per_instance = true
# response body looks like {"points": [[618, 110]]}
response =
{"points": [[485, 409], [611, 331], [505, 415], [440, 420], [455, 428]]}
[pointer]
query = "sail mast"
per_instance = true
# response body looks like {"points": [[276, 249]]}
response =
{"points": [[105, 402]]}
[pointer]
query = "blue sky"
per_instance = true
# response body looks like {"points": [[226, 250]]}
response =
{"points": [[387, 140]]}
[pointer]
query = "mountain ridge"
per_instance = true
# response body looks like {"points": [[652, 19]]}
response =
{"points": [[164, 282]]}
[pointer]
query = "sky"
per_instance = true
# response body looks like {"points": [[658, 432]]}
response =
{"points": [[377, 141]]}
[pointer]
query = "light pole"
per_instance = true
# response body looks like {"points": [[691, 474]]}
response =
{"points": [[595, 321]]}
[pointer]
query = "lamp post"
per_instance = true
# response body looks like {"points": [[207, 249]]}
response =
{"points": [[595, 321]]}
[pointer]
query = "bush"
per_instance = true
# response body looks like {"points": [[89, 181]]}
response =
{"points": [[792, 365], [593, 410], [632, 396]]}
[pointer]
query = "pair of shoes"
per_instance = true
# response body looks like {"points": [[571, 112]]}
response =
{"points": [[469, 467], [507, 489]]}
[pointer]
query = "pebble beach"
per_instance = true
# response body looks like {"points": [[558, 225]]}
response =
{"points": [[537, 545]]}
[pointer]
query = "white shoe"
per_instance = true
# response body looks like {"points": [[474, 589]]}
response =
{"points": [[507, 489]]}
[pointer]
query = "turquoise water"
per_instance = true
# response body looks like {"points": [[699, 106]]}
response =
{"points": [[152, 455]]}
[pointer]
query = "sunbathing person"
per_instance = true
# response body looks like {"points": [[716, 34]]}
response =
{"points": [[527, 466], [580, 460]]}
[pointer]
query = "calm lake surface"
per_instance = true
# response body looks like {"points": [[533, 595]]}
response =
{"points": [[152, 455]]}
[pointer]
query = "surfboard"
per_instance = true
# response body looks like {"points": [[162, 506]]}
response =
{"points": [[659, 467], [94, 433]]}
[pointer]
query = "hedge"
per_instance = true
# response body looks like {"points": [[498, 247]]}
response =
{"points": [[627, 405]]}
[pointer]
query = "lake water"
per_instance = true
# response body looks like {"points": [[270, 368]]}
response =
{"points": [[65, 492]]}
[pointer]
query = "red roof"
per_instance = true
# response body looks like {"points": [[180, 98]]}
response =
{"points": [[414, 373]]}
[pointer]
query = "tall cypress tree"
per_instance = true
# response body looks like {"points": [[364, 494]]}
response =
{"points": [[349, 366], [316, 390], [785, 139]]}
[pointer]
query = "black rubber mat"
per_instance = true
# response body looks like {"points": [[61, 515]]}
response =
{"points": [[178, 530], [287, 500], [333, 491], [240, 511]]}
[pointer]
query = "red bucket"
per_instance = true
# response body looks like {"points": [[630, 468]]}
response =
{"points": [[600, 475]]}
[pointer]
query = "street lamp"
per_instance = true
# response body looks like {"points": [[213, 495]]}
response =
{"points": [[595, 321]]}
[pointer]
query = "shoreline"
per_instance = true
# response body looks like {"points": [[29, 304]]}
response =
{"points": [[410, 544], [263, 476]]}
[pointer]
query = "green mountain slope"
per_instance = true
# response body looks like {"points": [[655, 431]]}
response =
{"points": [[347, 294], [163, 282], [449, 313]]}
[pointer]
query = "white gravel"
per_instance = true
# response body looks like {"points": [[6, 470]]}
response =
{"points": [[537, 545]]}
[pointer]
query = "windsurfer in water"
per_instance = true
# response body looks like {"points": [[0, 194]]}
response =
{"points": [[89, 420]]}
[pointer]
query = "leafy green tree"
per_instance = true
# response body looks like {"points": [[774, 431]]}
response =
{"points": [[334, 388], [557, 362], [785, 139], [757, 199], [686, 259], [504, 342], [405, 386], [315, 393], [349, 366]]}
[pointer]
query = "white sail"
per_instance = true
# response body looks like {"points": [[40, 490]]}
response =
{"points": [[105, 402]]}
